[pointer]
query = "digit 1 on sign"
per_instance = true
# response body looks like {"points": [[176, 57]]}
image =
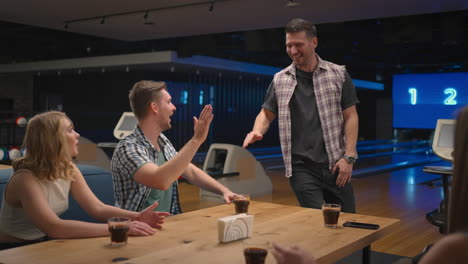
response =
{"points": [[414, 95]]}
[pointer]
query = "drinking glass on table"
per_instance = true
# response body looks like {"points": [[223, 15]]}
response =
{"points": [[118, 228], [255, 250], [331, 213], [241, 202]]}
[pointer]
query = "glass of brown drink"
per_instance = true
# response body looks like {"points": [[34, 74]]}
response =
{"points": [[241, 202], [118, 228], [331, 213], [255, 250], [255, 255]]}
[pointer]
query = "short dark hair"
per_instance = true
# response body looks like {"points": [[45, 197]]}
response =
{"points": [[142, 94], [298, 25]]}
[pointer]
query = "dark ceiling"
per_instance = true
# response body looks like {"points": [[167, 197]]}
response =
{"points": [[372, 49]]}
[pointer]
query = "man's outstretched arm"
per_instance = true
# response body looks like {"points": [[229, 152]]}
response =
{"points": [[261, 126]]}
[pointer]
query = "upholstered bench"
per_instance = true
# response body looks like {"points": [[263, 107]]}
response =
{"points": [[98, 179]]}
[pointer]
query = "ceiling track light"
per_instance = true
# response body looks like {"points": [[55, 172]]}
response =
{"points": [[211, 8], [147, 21], [146, 12], [292, 4]]}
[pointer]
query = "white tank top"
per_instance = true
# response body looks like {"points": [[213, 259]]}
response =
{"points": [[15, 222]]}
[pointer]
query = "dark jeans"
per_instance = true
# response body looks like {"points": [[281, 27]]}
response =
{"points": [[314, 184]]}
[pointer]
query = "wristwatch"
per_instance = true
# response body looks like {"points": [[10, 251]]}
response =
{"points": [[350, 159]]}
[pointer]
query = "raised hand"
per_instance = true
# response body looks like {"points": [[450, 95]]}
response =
{"points": [[153, 218], [201, 126], [251, 138]]}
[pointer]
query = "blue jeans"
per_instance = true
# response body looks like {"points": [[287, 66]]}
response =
{"points": [[314, 185]]}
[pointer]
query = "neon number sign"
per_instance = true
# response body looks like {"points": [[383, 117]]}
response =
{"points": [[452, 94], [414, 95]]}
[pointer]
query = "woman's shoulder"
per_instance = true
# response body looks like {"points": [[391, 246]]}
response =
{"points": [[450, 249], [455, 239], [21, 182], [23, 174], [23, 178]]}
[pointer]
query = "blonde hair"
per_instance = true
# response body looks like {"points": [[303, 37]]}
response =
{"points": [[458, 199], [142, 94], [47, 154]]}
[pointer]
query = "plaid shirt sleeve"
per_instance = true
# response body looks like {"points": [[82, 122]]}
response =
{"points": [[128, 157]]}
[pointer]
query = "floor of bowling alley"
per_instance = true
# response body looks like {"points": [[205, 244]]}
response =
{"points": [[407, 194]]}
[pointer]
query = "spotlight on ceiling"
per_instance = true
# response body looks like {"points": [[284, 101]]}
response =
{"points": [[292, 3], [147, 21], [211, 8]]}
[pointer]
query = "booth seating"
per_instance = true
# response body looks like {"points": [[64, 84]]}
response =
{"points": [[98, 179]]}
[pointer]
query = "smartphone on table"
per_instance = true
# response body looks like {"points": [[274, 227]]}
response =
{"points": [[361, 225]]}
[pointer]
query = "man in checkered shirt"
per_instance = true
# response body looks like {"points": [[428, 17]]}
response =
{"points": [[315, 102], [145, 165]]}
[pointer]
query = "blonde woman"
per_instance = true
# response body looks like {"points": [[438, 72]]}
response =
{"points": [[38, 191]]}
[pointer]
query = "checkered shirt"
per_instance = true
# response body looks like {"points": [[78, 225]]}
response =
{"points": [[328, 82], [130, 155]]}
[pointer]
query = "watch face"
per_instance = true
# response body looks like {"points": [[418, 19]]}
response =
{"points": [[350, 159]]}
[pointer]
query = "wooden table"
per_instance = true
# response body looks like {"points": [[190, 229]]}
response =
{"points": [[192, 238]]}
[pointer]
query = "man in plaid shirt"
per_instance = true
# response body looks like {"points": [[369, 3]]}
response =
{"points": [[145, 165], [315, 102]]}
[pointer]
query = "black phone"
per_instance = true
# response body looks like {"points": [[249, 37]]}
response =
{"points": [[361, 225]]}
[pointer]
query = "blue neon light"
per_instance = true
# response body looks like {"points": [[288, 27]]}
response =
{"points": [[184, 97], [200, 98], [368, 85], [450, 100], [414, 95]]}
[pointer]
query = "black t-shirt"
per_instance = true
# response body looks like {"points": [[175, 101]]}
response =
{"points": [[307, 143]]}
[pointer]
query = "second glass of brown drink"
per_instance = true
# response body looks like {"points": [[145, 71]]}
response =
{"points": [[331, 213], [241, 203]]}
